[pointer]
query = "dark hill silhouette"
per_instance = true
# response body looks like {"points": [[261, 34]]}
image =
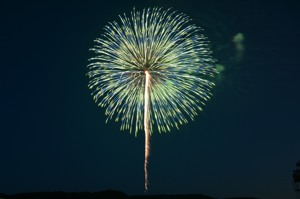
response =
{"points": [[177, 196], [108, 194]]}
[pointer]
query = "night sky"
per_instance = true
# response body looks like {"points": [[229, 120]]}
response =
{"points": [[54, 137]]}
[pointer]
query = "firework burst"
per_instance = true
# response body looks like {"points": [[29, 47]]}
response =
{"points": [[151, 71]]}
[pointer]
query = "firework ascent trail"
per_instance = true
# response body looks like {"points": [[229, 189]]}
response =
{"points": [[146, 126]]}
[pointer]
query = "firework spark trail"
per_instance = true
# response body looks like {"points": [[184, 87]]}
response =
{"points": [[146, 126], [152, 71]]}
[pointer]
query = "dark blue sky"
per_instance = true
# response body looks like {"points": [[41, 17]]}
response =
{"points": [[53, 136]]}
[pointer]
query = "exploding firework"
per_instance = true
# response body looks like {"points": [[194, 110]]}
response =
{"points": [[151, 71]]}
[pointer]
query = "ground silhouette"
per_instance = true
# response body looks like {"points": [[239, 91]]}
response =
{"points": [[107, 194]]}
